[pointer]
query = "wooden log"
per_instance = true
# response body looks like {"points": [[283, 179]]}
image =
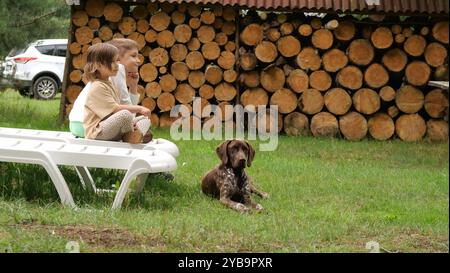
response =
{"points": [[382, 38], [194, 44], [142, 26], [230, 46], [408, 32], [410, 127], [195, 23], [334, 60], [272, 79], [332, 24], [97, 40], [393, 111], [366, 101], [154, 119], [206, 91], [213, 74], [436, 103], [194, 10], [350, 77], [399, 38], [436, 54], [367, 32], [80, 18], [286, 28], [254, 96], [440, 32], [361, 52], [178, 52], [322, 39], [95, 8], [105, 33], [78, 61], [309, 59], [195, 60], [337, 101], [298, 80], [305, 30], [211, 51], [184, 93], [252, 35], [139, 39], [153, 90], [437, 130], [159, 56], [152, 7], [387, 94], [127, 25], [247, 61], [396, 29], [251, 79], [165, 39], [268, 122], [418, 73], [226, 60], [415, 45], [316, 23], [75, 76], [381, 126], [72, 92], [296, 124], [178, 17], [225, 92], [84, 35], [149, 103], [345, 31], [150, 36], [207, 17], [424, 31], [266, 52], [320, 80], [324, 124], [376, 76], [285, 99], [229, 13], [395, 60], [139, 12], [182, 33], [168, 83], [273, 34], [179, 70], [196, 78], [218, 23], [165, 102], [148, 72], [206, 34], [221, 39], [288, 46], [75, 48], [230, 76], [310, 102], [353, 126], [160, 21], [409, 99], [229, 28]]}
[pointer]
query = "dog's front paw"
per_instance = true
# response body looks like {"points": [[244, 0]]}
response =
{"points": [[264, 195], [241, 208], [259, 207]]}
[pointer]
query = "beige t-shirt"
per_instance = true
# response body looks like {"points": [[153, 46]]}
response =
{"points": [[101, 101]]}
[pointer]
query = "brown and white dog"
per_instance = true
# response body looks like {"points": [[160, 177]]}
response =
{"points": [[228, 182]]}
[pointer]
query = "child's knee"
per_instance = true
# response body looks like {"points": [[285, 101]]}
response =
{"points": [[125, 116]]}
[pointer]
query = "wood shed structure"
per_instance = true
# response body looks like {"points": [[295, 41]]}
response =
{"points": [[350, 68]]}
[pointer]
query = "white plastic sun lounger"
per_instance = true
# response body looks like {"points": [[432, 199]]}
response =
{"points": [[82, 171], [50, 154]]}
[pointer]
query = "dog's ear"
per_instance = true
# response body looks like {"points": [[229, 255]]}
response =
{"points": [[222, 152], [251, 154]]}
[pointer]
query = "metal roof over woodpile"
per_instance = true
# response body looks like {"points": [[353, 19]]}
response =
{"points": [[343, 6]]}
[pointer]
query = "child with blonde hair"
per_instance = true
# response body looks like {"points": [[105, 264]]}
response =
{"points": [[105, 117]]}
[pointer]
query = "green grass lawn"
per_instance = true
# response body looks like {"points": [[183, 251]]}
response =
{"points": [[325, 196]]}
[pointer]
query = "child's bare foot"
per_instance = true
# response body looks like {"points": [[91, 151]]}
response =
{"points": [[133, 137], [147, 137]]}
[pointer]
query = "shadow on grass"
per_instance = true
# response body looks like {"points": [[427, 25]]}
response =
{"points": [[31, 183]]}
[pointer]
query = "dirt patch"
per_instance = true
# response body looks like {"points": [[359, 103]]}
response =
{"points": [[107, 237]]}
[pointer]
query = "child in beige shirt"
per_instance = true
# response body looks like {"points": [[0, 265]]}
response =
{"points": [[104, 117]]}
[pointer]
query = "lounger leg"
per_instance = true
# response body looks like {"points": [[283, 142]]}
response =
{"points": [[137, 168], [86, 178]]}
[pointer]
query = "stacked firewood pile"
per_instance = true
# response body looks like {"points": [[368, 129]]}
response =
{"points": [[341, 76], [328, 76], [187, 51]]}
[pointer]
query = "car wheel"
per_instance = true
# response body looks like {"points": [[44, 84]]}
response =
{"points": [[25, 92], [45, 88]]}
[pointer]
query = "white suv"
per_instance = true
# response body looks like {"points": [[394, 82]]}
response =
{"points": [[38, 69]]}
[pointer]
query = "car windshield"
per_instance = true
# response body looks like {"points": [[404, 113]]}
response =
{"points": [[16, 51]]}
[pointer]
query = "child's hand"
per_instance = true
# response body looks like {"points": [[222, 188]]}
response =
{"points": [[132, 80], [144, 111]]}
